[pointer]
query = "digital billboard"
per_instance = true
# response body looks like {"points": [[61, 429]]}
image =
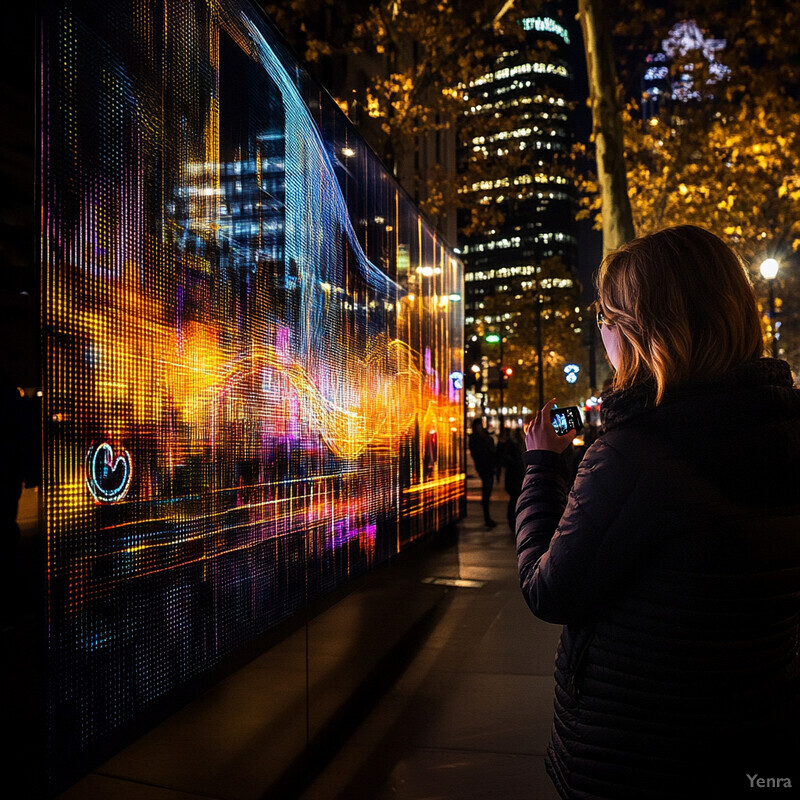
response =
{"points": [[251, 346]]}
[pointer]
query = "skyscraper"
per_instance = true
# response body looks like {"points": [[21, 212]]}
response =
{"points": [[521, 248]]}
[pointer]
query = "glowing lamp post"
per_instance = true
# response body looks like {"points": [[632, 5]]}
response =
{"points": [[769, 270]]}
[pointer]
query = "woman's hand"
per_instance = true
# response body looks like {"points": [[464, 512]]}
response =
{"points": [[541, 435]]}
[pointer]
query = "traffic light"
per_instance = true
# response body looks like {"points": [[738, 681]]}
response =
{"points": [[506, 373]]}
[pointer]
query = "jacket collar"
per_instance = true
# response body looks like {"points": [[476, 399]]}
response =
{"points": [[622, 406]]}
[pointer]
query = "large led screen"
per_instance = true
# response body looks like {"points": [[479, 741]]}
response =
{"points": [[251, 347]]}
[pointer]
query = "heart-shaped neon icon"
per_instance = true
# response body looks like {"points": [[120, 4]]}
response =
{"points": [[108, 473]]}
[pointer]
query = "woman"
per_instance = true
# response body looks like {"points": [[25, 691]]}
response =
{"points": [[674, 561]]}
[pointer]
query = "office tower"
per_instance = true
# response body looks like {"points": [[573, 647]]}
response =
{"points": [[524, 258]]}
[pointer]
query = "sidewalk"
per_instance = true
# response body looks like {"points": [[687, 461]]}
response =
{"points": [[470, 717]]}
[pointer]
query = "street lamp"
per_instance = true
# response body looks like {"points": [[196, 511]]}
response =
{"points": [[769, 269]]}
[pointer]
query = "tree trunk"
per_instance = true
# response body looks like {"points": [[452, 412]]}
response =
{"points": [[606, 123]]}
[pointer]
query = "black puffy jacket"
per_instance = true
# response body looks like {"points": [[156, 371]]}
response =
{"points": [[674, 566]]}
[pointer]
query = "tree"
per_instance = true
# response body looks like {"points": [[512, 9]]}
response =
{"points": [[553, 301], [728, 156], [616, 220], [723, 150]]}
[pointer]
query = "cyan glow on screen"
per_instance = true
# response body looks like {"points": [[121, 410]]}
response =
{"points": [[310, 179], [109, 472]]}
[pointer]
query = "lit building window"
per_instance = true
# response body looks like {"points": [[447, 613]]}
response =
{"points": [[536, 67], [556, 283], [500, 244]]}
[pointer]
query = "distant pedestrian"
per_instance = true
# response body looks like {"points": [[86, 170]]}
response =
{"points": [[674, 562], [502, 443], [484, 456]]}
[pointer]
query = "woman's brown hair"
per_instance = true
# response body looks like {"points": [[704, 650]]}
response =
{"points": [[683, 305]]}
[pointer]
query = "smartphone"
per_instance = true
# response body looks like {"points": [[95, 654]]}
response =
{"points": [[566, 419]]}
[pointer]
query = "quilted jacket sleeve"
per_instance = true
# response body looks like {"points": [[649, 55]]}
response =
{"points": [[574, 551]]}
